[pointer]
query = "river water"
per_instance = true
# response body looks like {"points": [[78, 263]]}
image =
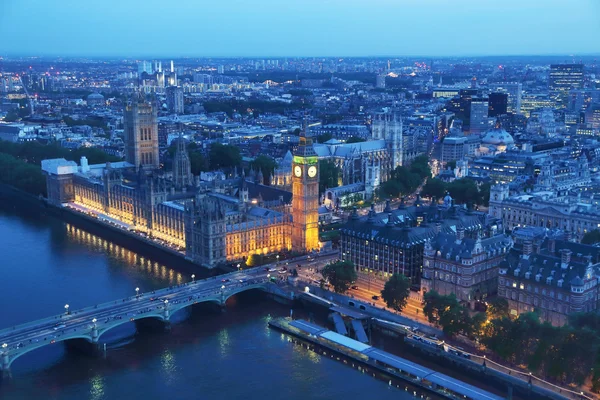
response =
{"points": [[208, 354]]}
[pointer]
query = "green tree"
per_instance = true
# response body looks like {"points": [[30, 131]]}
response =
{"points": [[322, 138], [224, 156], [355, 139], [447, 312], [434, 188], [329, 175], [266, 165], [497, 308], [592, 237], [465, 191], [340, 275], [396, 291], [254, 260], [451, 165], [484, 194], [198, 163]]}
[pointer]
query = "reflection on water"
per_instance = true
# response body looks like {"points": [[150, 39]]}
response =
{"points": [[206, 355], [97, 244]]}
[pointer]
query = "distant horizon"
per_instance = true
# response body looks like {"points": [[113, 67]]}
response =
{"points": [[259, 57], [299, 28]]}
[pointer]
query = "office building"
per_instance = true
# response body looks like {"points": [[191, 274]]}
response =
{"points": [[453, 148], [564, 77], [479, 115], [513, 90], [497, 104], [141, 134], [175, 99], [380, 81]]}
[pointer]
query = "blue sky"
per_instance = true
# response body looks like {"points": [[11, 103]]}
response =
{"points": [[298, 27]]}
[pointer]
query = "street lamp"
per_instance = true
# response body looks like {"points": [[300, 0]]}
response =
{"points": [[223, 287], [4, 346], [67, 309], [137, 292], [94, 321], [193, 277], [307, 289], [238, 267], [268, 276]]}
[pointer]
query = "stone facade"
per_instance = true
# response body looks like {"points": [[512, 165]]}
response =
{"points": [[555, 279], [466, 267], [548, 209]]}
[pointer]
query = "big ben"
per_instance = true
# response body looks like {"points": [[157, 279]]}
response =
{"points": [[305, 200]]}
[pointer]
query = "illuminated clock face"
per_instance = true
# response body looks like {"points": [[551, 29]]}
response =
{"points": [[298, 171], [312, 171]]}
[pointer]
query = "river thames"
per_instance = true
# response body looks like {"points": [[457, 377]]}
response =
{"points": [[206, 355]]}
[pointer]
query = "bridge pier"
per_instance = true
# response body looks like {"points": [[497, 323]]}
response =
{"points": [[5, 363], [95, 335]]}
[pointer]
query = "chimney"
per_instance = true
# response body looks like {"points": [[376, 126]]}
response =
{"points": [[551, 245], [527, 247], [565, 257], [537, 247]]}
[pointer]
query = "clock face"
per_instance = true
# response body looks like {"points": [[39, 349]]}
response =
{"points": [[298, 171], [312, 171]]}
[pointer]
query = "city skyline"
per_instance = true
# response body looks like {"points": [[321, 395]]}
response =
{"points": [[300, 29]]}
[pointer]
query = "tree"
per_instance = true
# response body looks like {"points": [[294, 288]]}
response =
{"points": [[497, 308], [592, 237], [329, 175], [340, 274], [484, 194], [451, 165], [396, 291], [464, 191], [254, 260], [322, 138], [198, 163], [266, 165], [224, 156], [434, 188], [355, 139], [447, 312]]}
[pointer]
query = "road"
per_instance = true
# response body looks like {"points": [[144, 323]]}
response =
{"points": [[366, 288]]}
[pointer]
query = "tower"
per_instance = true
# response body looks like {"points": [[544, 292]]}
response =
{"points": [[141, 134], [305, 200], [388, 126], [182, 173]]}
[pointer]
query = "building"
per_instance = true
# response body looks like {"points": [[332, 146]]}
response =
{"points": [[466, 267], [175, 99], [388, 126], [453, 148], [514, 91], [282, 175], [479, 115], [564, 77], [141, 134], [95, 100], [546, 209], [497, 104], [554, 278], [393, 241], [496, 140], [145, 67], [305, 196], [182, 173], [380, 81], [213, 222]]}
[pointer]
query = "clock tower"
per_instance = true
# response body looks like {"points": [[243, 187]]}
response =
{"points": [[305, 200]]}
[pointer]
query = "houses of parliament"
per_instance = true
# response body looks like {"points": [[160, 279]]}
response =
{"points": [[213, 222]]}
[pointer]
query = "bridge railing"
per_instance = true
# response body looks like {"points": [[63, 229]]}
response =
{"points": [[59, 317]]}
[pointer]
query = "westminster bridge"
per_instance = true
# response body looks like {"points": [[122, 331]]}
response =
{"points": [[89, 324]]}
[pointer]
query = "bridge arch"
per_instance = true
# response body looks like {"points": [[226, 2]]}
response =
{"points": [[44, 343], [259, 286], [106, 327]]}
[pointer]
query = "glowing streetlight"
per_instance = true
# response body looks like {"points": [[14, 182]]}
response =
{"points": [[137, 292], [223, 287], [268, 276], [307, 289], [193, 277], [94, 321], [4, 346], [67, 308], [166, 302]]}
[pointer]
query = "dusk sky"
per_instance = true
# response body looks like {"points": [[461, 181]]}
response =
{"points": [[298, 27]]}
